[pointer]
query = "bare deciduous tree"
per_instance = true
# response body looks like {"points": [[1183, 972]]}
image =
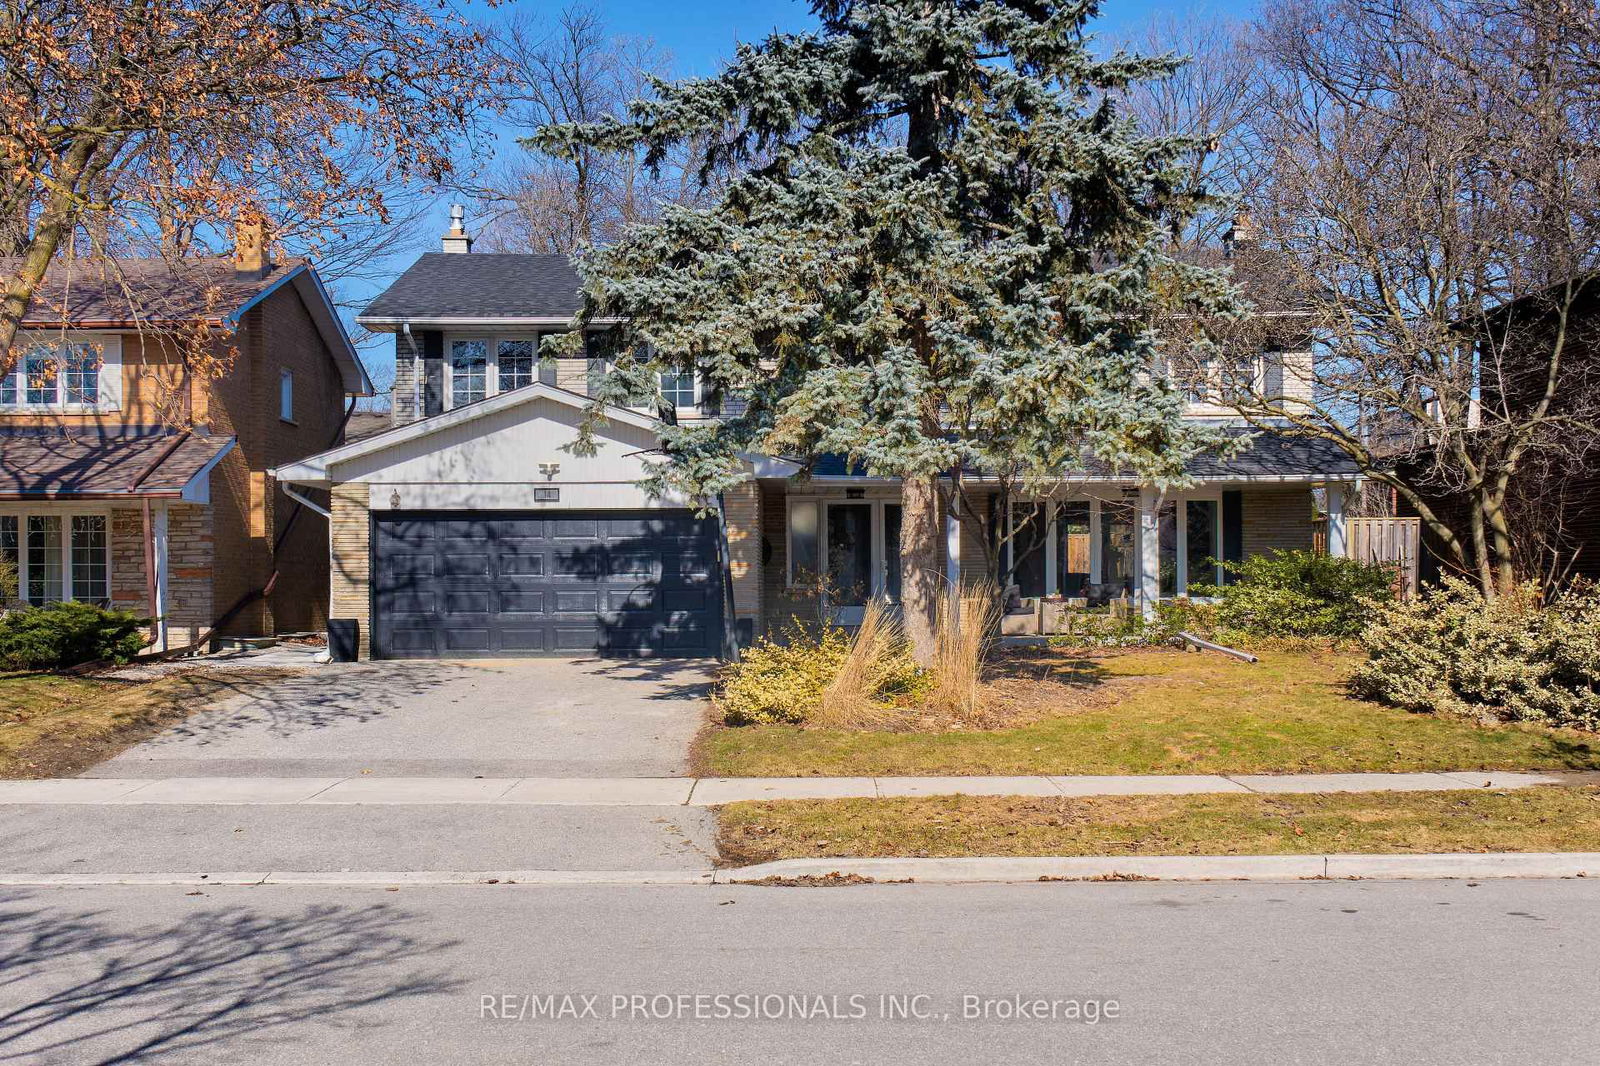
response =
{"points": [[573, 71], [1430, 198], [148, 128]]}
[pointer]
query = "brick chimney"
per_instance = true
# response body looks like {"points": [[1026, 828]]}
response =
{"points": [[251, 258], [1241, 234], [456, 238]]}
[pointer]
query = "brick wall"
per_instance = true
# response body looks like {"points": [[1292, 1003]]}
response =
{"points": [[250, 512], [743, 522], [351, 577], [1276, 518]]}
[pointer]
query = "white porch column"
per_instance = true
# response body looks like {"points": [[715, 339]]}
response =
{"points": [[1338, 531], [952, 546], [1149, 550], [158, 534]]}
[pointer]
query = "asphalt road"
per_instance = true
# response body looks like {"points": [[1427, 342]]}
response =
{"points": [[1425, 972]]}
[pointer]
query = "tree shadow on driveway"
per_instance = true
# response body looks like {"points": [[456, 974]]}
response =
{"points": [[674, 679], [74, 987], [289, 704]]}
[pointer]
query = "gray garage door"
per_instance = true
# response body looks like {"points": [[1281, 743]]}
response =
{"points": [[449, 584]]}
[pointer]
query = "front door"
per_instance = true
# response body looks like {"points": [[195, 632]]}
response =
{"points": [[862, 546]]}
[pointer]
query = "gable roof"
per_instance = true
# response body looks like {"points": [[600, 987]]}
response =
{"points": [[451, 288], [135, 293], [314, 469]]}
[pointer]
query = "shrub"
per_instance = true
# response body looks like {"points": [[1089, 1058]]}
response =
{"points": [[1298, 594], [783, 680], [1515, 657], [59, 635]]}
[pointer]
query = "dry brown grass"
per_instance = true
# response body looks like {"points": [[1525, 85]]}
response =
{"points": [[964, 632], [848, 702]]}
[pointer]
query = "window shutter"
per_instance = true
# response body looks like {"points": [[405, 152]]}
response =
{"points": [[432, 372], [1232, 529]]}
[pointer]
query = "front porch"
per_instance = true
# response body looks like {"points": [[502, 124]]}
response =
{"points": [[827, 545]]}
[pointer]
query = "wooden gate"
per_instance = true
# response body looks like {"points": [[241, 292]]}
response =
{"points": [[1388, 540]]}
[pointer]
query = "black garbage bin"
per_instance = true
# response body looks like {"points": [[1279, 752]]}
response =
{"points": [[344, 640]]}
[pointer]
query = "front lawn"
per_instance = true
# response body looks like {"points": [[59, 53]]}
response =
{"points": [[1159, 711], [54, 725], [1536, 819]]}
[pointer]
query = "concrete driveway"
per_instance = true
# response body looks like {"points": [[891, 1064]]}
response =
{"points": [[494, 718]]}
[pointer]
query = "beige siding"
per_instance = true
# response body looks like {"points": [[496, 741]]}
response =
{"points": [[1276, 518], [351, 552], [573, 375]]}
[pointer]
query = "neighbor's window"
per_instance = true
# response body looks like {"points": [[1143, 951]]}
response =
{"points": [[678, 389], [469, 371], [58, 557], [90, 565], [516, 361], [286, 395], [50, 374]]}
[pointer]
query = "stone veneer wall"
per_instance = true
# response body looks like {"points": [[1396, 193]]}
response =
{"points": [[190, 564]]}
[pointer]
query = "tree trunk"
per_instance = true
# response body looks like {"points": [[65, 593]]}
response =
{"points": [[921, 585]]}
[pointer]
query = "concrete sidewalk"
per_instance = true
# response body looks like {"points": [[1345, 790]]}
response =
{"points": [[709, 792]]}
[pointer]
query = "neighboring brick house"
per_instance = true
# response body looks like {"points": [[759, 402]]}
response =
{"points": [[466, 529], [131, 476]]}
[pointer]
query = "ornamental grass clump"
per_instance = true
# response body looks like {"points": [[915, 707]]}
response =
{"points": [[877, 668], [965, 631], [1518, 657]]}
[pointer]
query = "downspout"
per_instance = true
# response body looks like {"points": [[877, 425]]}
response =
{"points": [[266, 590]]}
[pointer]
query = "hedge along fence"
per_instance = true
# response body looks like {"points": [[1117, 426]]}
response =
{"points": [[1518, 657]]}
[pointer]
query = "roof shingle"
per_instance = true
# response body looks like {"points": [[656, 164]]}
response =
{"points": [[492, 285], [55, 461]]}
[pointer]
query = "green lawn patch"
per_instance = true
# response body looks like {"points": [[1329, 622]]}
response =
{"points": [[53, 725], [1160, 711], [1535, 819]]}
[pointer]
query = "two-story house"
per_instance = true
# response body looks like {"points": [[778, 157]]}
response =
{"points": [[145, 402], [466, 529]]}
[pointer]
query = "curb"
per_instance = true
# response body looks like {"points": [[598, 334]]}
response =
{"points": [[920, 871], [1177, 868]]}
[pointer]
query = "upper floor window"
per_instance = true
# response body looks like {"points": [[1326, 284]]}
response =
{"points": [[483, 366], [1213, 381], [678, 389], [469, 371], [286, 395], [71, 374]]}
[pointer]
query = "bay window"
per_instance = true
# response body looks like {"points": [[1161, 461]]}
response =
{"points": [[58, 556], [77, 373], [848, 548], [1062, 548]]}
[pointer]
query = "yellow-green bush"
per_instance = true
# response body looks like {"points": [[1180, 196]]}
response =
{"points": [[1516, 657], [784, 680]]}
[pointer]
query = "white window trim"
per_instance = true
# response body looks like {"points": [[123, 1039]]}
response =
{"points": [[110, 373], [491, 372], [21, 513]]}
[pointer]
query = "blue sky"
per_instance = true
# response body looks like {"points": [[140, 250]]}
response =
{"points": [[700, 34]]}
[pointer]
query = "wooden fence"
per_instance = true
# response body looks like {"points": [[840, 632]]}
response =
{"points": [[1380, 540]]}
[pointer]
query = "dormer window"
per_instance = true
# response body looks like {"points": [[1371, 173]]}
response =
{"points": [[75, 374]]}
